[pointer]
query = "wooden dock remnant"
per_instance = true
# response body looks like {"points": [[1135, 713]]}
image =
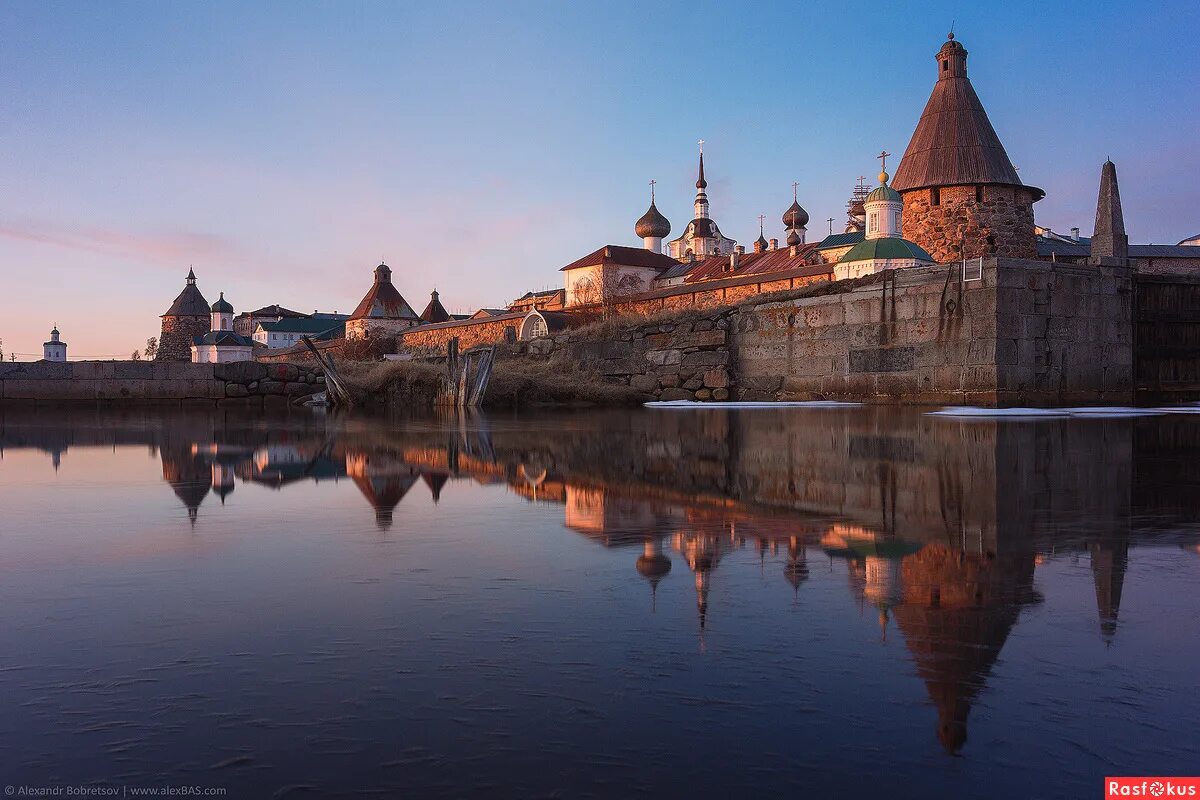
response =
{"points": [[335, 390], [467, 375]]}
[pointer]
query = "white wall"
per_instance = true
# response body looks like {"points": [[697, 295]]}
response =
{"points": [[212, 354], [606, 278]]}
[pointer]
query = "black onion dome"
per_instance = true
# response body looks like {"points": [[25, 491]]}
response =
{"points": [[793, 237], [652, 223], [795, 216], [762, 242], [222, 305]]}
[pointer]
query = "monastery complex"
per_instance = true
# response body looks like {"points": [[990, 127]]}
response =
{"points": [[954, 218]]}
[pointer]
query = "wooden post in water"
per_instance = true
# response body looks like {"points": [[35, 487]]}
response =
{"points": [[335, 390], [467, 376]]}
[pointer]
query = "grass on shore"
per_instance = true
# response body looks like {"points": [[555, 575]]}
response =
{"points": [[515, 383]]}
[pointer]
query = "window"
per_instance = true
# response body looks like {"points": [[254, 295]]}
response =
{"points": [[534, 327], [978, 194], [935, 197], [872, 223], [945, 64], [896, 221]]}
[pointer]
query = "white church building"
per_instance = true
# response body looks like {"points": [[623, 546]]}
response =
{"points": [[221, 344], [55, 349]]}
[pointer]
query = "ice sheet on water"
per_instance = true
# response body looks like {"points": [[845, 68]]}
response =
{"points": [[1083, 412], [685, 404]]}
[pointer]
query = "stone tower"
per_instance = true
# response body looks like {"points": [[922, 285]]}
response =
{"points": [[962, 196], [188, 317], [1109, 241]]}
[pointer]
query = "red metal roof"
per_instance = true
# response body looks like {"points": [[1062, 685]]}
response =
{"points": [[768, 261], [625, 256]]}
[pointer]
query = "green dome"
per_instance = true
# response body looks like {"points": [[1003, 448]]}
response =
{"points": [[883, 192], [222, 305], [885, 247]]}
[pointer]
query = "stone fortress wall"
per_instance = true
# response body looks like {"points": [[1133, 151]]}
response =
{"points": [[49, 383], [1022, 332]]}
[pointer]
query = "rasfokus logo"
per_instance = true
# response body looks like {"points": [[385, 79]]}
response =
{"points": [[1151, 787]]}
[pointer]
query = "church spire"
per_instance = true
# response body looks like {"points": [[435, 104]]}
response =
{"points": [[1108, 238], [701, 185]]}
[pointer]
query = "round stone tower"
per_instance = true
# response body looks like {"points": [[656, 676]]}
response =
{"points": [[188, 317], [962, 196]]}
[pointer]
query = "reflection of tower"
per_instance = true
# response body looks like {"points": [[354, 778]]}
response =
{"points": [[701, 552], [435, 481], [653, 565], [1110, 558], [189, 477], [796, 569], [382, 481], [956, 613], [883, 586], [222, 480]]}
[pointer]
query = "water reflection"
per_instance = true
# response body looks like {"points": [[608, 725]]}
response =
{"points": [[938, 525]]}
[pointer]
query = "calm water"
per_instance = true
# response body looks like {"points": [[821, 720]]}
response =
{"points": [[662, 603]]}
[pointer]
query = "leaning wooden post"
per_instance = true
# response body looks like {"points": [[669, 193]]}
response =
{"points": [[335, 390]]}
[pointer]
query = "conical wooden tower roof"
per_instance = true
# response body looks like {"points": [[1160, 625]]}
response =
{"points": [[954, 143]]}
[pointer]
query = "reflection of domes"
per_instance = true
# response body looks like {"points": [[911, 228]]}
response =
{"points": [[222, 490], [435, 481], [652, 224], [653, 567], [796, 573]]}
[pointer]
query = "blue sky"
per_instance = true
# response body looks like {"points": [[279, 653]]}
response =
{"points": [[282, 149]]}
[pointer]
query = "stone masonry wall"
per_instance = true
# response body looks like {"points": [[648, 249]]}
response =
{"points": [[123, 382], [1064, 334], [960, 226], [488, 330], [1021, 332], [685, 359], [175, 338]]}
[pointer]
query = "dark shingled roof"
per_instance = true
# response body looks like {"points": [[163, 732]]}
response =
{"points": [[275, 310], [382, 300], [954, 143], [224, 338], [625, 256], [189, 303], [435, 312], [302, 325]]}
